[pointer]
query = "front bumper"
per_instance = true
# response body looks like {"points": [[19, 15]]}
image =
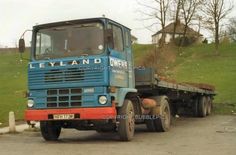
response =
{"points": [[100, 113]]}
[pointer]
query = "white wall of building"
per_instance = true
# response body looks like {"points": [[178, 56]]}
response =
{"points": [[156, 38]]}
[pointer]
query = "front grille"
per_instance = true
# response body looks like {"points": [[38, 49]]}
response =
{"points": [[64, 97], [56, 75], [44, 78]]}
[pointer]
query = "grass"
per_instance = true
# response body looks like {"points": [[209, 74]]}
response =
{"points": [[13, 85], [140, 50], [199, 64]]}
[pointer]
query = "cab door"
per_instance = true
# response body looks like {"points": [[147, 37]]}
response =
{"points": [[118, 58], [129, 57]]}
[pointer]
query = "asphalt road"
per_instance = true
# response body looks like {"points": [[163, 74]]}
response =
{"points": [[214, 135]]}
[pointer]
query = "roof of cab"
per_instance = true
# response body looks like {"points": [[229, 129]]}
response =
{"points": [[72, 22]]}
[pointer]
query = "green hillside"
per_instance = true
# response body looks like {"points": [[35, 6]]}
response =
{"points": [[140, 50], [13, 84], [199, 64]]}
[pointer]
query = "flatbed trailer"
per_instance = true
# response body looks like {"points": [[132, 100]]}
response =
{"points": [[81, 75], [180, 95]]}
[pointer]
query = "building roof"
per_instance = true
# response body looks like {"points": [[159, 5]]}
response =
{"points": [[179, 30], [134, 38]]}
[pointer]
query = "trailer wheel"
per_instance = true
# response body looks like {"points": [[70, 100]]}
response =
{"points": [[209, 106], [50, 130], [162, 114], [202, 106], [126, 121], [196, 107]]}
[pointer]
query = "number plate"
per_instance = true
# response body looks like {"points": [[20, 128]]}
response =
{"points": [[63, 116]]}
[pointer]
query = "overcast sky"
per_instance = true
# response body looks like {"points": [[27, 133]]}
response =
{"points": [[19, 15]]}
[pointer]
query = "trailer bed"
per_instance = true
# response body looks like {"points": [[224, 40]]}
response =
{"points": [[146, 79]]}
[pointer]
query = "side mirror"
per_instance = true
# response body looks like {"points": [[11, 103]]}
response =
{"points": [[109, 38], [21, 45]]}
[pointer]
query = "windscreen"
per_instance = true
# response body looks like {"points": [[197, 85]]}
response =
{"points": [[70, 41]]}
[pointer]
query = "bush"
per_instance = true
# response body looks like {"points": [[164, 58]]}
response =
{"points": [[205, 41], [184, 41]]}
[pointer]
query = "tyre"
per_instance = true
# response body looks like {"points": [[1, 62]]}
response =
{"points": [[209, 106], [202, 106], [196, 107], [162, 123], [150, 125], [50, 130], [126, 121], [162, 116]]}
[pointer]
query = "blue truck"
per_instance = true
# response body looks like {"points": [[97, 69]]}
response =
{"points": [[81, 75]]}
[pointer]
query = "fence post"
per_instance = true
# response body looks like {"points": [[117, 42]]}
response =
{"points": [[12, 123]]}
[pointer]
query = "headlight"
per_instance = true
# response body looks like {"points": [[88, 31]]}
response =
{"points": [[30, 103], [102, 99]]}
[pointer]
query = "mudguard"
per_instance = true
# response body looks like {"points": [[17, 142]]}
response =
{"points": [[121, 94]]}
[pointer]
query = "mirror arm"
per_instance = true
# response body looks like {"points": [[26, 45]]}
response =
{"points": [[22, 36]]}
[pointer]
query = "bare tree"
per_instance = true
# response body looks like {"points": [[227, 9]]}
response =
{"points": [[232, 29], [189, 9], [176, 16], [157, 10], [216, 11]]}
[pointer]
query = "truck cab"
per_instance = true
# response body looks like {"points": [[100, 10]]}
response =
{"points": [[80, 73]]}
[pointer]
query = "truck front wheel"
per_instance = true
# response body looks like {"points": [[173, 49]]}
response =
{"points": [[126, 121], [50, 130]]}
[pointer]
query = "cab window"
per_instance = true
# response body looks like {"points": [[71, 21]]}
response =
{"points": [[117, 38], [127, 39]]}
